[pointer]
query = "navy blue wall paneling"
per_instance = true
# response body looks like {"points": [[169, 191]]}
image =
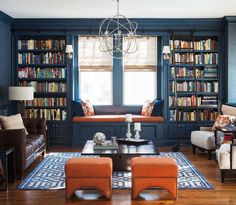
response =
{"points": [[5, 57]]}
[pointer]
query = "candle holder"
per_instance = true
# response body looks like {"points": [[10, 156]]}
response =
{"points": [[137, 136], [128, 119], [128, 134]]}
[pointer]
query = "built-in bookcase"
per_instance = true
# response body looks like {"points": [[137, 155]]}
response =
{"points": [[41, 63], [193, 78]]}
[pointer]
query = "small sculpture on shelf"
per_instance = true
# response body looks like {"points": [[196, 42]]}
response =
{"points": [[128, 119], [137, 129], [99, 138]]}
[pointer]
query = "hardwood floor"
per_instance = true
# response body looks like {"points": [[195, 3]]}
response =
{"points": [[223, 193]]}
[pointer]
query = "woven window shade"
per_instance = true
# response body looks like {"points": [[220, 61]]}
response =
{"points": [[145, 58], [90, 58]]}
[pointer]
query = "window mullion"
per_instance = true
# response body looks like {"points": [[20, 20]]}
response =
{"points": [[117, 78]]}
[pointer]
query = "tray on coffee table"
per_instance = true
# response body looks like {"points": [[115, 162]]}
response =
{"points": [[132, 141]]}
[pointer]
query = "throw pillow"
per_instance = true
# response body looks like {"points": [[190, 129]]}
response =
{"points": [[77, 108], [222, 120], [13, 122], [157, 109], [147, 108], [87, 108]]}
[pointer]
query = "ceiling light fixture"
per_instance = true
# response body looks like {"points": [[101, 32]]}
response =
{"points": [[117, 34]]}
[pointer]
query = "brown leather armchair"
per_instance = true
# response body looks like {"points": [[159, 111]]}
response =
{"points": [[27, 147]]}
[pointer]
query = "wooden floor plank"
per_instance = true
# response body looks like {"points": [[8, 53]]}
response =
{"points": [[223, 193]]}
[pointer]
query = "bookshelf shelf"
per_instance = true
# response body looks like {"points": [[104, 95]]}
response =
{"points": [[193, 78], [41, 63]]}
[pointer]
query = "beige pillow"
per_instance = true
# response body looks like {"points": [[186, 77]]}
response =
{"points": [[13, 122]]}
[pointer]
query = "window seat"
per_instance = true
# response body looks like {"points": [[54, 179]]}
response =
{"points": [[84, 128], [117, 118]]}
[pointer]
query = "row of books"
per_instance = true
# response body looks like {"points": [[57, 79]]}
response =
{"points": [[207, 86], [208, 115], [209, 101], [181, 72], [199, 59], [42, 58], [33, 72], [177, 115], [48, 114], [179, 44], [207, 72], [204, 102], [185, 58], [208, 44], [46, 102], [184, 101], [183, 86], [189, 86], [210, 72], [41, 44], [45, 86], [207, 58], [205, 115]]}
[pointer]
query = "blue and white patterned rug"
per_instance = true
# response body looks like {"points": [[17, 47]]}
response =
{"points": [[49, 174]]}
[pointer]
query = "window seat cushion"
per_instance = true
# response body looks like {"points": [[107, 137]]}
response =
{"points": [[116, 118]]}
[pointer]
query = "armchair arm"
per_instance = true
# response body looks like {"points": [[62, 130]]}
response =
{"points": [[232, 152], [16, 138]]}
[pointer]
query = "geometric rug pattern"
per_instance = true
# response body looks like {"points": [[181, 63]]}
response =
{"points": [[49, 174]]}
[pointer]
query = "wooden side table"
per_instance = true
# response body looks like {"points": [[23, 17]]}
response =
{"points": [[7, 158]]}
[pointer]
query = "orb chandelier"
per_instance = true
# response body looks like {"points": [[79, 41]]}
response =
{"points": [[117, 35]]}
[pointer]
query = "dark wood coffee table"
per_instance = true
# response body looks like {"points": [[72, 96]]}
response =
{"points": [[121, 156]]}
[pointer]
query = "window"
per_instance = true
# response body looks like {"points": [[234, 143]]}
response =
{"points": [[129, 81], [95, 72], [139, 72]]}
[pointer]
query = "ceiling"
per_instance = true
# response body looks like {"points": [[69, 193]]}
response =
{"points": [[129, 8]]}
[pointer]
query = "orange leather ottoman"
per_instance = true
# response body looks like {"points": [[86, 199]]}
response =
{"points": [[154, 172], [89, 173]]}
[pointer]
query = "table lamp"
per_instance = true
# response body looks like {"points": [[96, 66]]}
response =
{"points": [[21, 94]]}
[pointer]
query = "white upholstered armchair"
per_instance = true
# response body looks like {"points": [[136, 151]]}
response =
{"points": [[226, 156]]}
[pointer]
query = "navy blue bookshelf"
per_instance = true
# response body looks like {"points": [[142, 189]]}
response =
{"points": [[55, 112], [198, 81]]}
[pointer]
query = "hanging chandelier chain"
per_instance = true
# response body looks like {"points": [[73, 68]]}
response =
{"points": [[118, 7]]}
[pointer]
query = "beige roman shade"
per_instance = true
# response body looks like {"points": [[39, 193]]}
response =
{"points": [[91, 59], [145, 58]]}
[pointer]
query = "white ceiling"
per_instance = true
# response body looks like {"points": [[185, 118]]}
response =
{"points": [[129, 8]]}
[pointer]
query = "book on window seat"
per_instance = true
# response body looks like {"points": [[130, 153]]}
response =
{"points": [[106, 145]]}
